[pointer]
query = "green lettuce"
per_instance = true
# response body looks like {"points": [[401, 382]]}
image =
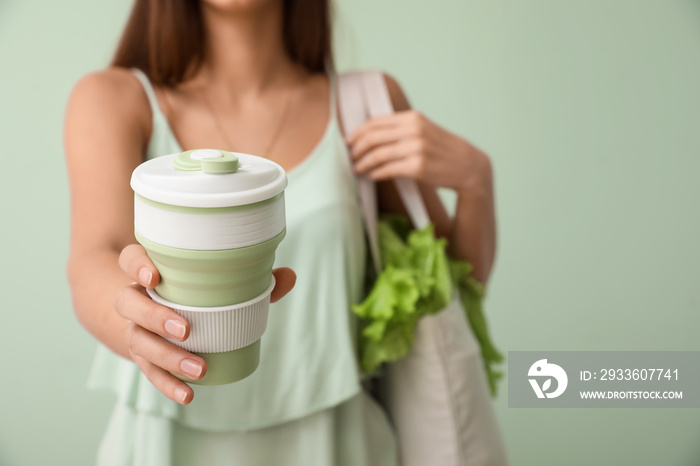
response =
{"points": [[418, 279], [472, 294]]}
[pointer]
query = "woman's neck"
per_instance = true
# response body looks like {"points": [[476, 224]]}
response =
{"points": [[244, 50]]}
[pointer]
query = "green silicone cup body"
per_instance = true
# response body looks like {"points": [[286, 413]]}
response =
{"points": [[216, 278], [212, 278], [228, 367]]}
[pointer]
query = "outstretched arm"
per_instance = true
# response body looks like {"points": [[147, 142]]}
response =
{"points": [[106, 129]]}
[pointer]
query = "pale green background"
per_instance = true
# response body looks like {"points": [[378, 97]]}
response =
{"points": [[591, 113]]}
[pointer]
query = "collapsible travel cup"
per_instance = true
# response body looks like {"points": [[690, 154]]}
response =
{"points": [[211, 221]]}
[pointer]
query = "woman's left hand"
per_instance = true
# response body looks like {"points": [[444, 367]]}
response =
{"points": [[410, 145]]}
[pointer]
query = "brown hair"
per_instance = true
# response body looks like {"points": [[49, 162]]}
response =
{"points": [[153, 40]]}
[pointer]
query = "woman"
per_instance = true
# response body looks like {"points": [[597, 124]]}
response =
{"points": [[250, 76]]}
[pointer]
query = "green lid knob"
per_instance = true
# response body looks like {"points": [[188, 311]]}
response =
{"points": [[206, 160]]}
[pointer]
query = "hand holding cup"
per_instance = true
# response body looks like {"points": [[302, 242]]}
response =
{"points": [[157, 358]]}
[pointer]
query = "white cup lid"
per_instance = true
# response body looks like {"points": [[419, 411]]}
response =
{"points": [[208, 178]]}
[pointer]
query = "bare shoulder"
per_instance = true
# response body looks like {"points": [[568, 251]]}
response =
{"points": [[116, 86], [112, 96], [106, 129], [398, 97]]}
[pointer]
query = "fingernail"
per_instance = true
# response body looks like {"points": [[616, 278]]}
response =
{"points": [[145, 276], [191, 368], [175, 328], [180, 394]]}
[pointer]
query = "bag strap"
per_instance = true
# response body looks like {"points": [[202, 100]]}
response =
{"points": [[353, 113], [363, 95]]}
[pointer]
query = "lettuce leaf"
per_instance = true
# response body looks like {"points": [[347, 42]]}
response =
{"points": [[472, 294], [418, 279]]}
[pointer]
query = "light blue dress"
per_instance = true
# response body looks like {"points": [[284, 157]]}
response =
{"points": [[304, 405]]}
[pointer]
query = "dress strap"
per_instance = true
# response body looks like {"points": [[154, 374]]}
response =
{"points": [[333, 84], [163, 140], [150, 92]]}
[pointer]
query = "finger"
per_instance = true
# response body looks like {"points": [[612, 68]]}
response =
{"points": [[410, 167], [380, 156], [285, 279], [372, 124], [173, 388], [392, 119], [372, 139], [135, 262], [163, 354], [133, 304]]}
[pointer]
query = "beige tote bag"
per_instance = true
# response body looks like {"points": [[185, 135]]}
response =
{"points": [[437, 396]]}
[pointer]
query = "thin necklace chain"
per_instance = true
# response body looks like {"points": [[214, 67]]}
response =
{"points": [[275, 135]]}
